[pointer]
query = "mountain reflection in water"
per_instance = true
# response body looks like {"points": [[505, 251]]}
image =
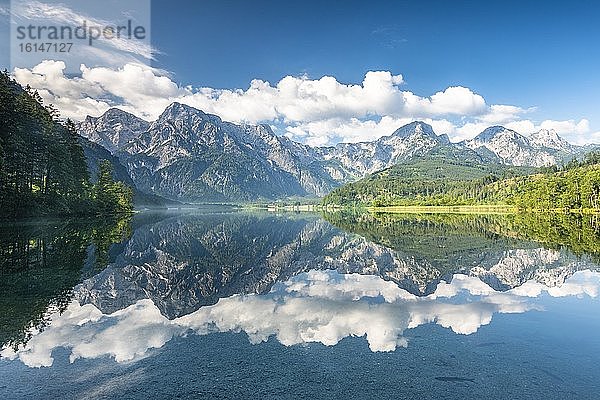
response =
{"points": [[302, 279]]}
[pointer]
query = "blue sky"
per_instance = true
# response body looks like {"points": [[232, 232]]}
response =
{"points": [[526, 65], [513, 52]]}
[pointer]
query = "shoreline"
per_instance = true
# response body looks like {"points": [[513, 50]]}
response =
{"points": [[487, 209], [478, 209]]}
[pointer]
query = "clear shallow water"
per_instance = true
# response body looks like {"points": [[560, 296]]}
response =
{"points": [[239, 305]]}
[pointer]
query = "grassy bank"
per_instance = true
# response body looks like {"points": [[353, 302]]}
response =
{"points": [[476, 209], [480, 209]]}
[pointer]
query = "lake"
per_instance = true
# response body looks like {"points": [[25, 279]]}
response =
{"points": [[230, 304]]}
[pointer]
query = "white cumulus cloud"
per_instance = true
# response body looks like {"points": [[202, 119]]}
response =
{"points": [[320, 111]]}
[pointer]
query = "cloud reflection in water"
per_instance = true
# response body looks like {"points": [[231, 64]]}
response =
{"points": [[318, 306]]}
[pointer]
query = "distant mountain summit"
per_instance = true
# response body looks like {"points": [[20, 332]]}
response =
{"points": [[551, 140], [189, 155], [113, 129], [543, 148], [406, 143], [416, 128]]}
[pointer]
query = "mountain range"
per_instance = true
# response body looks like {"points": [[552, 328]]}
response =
{"points": [[188, 155]]}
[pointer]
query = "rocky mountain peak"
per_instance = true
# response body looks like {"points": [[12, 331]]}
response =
{"points": [[116, 113], [496, 132], [113, 129], [179, 111], [415, 128], [550, 139], [511, 147]]}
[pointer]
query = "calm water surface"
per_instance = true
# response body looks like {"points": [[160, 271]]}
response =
{"points": [[231, 304]]}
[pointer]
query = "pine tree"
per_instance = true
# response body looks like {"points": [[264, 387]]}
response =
{"points": [[111, 197]]}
